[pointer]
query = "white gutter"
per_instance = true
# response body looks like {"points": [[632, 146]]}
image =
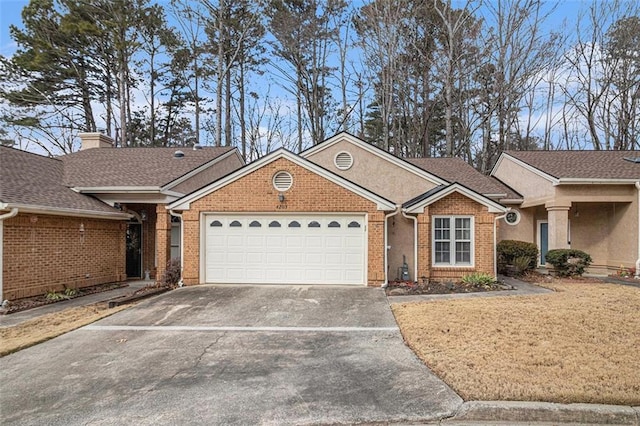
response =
{"points": [[637, 275], [179, 216], [415, 245], [12, 213], [386, 246], [495, 242], [60, 211]]}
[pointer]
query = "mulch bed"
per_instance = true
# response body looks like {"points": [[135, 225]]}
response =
{"points": [[406, 288], [36, 301]]}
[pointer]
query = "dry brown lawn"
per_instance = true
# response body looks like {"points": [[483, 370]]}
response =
{"points": [[48, 326], [579, 344]]}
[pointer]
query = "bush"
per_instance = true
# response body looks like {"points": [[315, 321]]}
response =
{"points": [[521, 254], [568, 262], [172, 275], [478, 279]]}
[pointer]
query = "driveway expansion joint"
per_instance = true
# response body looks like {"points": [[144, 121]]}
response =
{"points": [[234, 328]]}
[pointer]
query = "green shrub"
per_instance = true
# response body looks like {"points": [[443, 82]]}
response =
{"points": [[568, 262], [521, 254], [478, 279]]}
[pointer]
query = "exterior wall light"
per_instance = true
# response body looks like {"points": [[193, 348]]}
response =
{"points": [[281, 197], [143, 215]]}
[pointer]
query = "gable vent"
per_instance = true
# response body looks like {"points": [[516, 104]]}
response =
{"points": [[282, 181], [343, 160]]}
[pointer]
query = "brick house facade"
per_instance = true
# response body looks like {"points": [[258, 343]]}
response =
{"points": [[342, 212]]}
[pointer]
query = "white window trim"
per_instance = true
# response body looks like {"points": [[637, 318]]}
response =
{"points": [[452, 247]]}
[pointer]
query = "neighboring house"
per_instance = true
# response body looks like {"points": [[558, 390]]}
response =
{"points": [[95, 216], [586, 200], [342, 212]]}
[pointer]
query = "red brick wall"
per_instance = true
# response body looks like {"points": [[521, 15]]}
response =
{"points": [[456, 204], [309, 193], [44, 253]]}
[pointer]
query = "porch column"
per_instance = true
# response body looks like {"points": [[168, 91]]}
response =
{"points": [[558, 219], [163, 239]]}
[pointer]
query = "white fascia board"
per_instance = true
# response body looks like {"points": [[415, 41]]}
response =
{"points": [[136, 198], [116, 189], [377, 152], [490, 204], [201, 168], [591, 181], [552, 179], [185, 202], [59, 211]]}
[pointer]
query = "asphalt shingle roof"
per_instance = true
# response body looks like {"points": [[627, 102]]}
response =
{"points": [[582, 164], [111, 167], [455, 169], [32, 179]]}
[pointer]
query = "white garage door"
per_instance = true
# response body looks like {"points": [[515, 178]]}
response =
{"points": [[278, 249]]}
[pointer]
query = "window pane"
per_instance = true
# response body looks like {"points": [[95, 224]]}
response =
{"points": [[463, 252], [442, 252], [463, 228], [442, 228]]}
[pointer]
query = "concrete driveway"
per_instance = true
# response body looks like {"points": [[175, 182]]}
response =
{"points": [[229, 355]]}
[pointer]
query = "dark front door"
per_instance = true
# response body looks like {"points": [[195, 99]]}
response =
{"points": [[134, 250]]}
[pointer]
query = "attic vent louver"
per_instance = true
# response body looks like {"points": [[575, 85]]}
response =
{"points": [[633, 160], [282, 181], [178, 154], [343, 160]]}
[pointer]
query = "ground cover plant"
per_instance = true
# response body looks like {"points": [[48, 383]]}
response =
{"points": [[578, 344], [48, 326]]}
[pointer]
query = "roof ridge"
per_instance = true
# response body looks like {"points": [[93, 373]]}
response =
{"points": [[46, 157]]}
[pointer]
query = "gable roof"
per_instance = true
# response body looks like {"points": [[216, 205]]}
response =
{"points": [[455, 169], [32, 182], [437, 180], [578, 166], [134, 167], [184, 202], [418, 204]]}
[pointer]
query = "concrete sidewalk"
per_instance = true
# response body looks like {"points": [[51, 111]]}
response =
{"points": [[16, 318]]}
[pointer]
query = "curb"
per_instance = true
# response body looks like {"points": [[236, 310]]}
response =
{"points": [[128, 299], [544, 412]]}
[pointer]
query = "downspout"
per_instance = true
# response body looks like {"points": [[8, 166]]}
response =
{"points": [[415, 244], [637, 275], [179, 216], [495, 242], [12, 213], [386, 246]]}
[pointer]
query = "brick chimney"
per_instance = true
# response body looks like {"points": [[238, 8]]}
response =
{"points": [[95, 140]]}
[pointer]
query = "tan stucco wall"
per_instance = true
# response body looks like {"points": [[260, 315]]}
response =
{"points": [[525, 230], [623, 235], [374, 173], [309, 193], [211, 174], [534, 188], [400, 239]]}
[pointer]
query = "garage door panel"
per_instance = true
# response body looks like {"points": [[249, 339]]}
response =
{"points": [[304, 249]]}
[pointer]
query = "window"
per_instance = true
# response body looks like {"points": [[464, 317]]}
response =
{"points": [[274, 224], [294, 224], [255, 224], [334, 224], [353, 224], [512, 217], [453, 240], [235, 224], [215, 223], [313, 224]]}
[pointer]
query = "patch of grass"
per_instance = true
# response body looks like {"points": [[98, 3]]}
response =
{"points": [[38, 330], [578, 344]]}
